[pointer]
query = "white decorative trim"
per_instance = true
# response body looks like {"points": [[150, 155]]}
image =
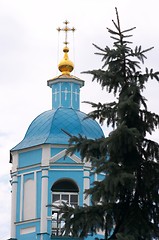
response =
{"points": [[31, 148], [27, 221], [95, 177], [71, 105], [29, 205], [58, 146], [45, 155], [27, 230], [62, 154], [26, 173], [67, 169], [21, 197], [29, 167], [13, 206], [87, 164], [60, 96], [76, 95], [35, 180], [14, 161], [66, 79], [86, 184], [55, 94], [44, 201]]}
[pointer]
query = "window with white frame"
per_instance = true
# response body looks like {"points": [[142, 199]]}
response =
{"points": [[63, 191]]}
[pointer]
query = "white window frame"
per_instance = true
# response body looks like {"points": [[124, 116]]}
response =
{"points": [[57, 225]]}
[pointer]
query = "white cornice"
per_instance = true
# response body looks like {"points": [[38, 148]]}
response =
{"points": [[65, 79]]}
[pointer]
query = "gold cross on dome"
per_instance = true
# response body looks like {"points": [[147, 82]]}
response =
{"points": [[66, 29]]}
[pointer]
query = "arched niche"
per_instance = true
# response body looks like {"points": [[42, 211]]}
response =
{"points": [[63, 191], [65, 185]]}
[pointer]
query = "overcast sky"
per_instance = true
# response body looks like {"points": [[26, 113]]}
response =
{"points": [[30, 49]]}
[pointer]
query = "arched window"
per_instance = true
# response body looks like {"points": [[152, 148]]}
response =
{"points": [[66, 191]]}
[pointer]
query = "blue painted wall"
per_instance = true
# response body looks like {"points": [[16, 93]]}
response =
{"points": [[33, 235], [55, 151], [30, 158], [70, 173], [47, 129], [65, 94]]}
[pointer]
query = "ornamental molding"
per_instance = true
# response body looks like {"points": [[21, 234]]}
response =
{"points": [[62, 154]]}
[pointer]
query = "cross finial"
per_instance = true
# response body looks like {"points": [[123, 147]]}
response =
{"points": [[66, 29]]}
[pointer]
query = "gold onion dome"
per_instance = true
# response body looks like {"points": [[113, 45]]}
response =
{"points": [[65, 66]]}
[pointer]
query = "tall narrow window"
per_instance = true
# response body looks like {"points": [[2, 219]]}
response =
{"points": [[62, 191]]}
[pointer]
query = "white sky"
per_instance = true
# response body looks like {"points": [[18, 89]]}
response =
{"points": [[29, 55]]}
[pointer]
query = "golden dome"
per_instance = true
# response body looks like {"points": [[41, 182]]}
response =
{"points": [[65, 65]]}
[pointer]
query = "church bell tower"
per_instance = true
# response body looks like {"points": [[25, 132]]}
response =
{"points": [[42, 175]]}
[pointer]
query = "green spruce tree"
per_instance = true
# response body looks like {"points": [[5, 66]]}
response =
{"points": [[125, 204]]}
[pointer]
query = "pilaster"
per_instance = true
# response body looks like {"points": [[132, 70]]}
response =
{"points": [[13, 206], [44, 200]]}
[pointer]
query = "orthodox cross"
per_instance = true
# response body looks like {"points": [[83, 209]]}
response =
{"points": [[66, 29], [76, 94], [55, 94], [66, 92]]}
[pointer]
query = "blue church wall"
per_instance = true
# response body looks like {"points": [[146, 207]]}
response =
{"points": [[75, 96], [30, 170], [49, 226], [55, 151], [65, 238], [28, 176], [42, 162], [78, 155], [31, 235], [66, 95], [75, 175], [20, 194], [27, 236], [65, 160], [72, 171], [55, 95], [68, 168], [100, 177], [30, 158]]}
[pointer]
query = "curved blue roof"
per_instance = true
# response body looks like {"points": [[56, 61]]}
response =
{"points": [[50, 127]]}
